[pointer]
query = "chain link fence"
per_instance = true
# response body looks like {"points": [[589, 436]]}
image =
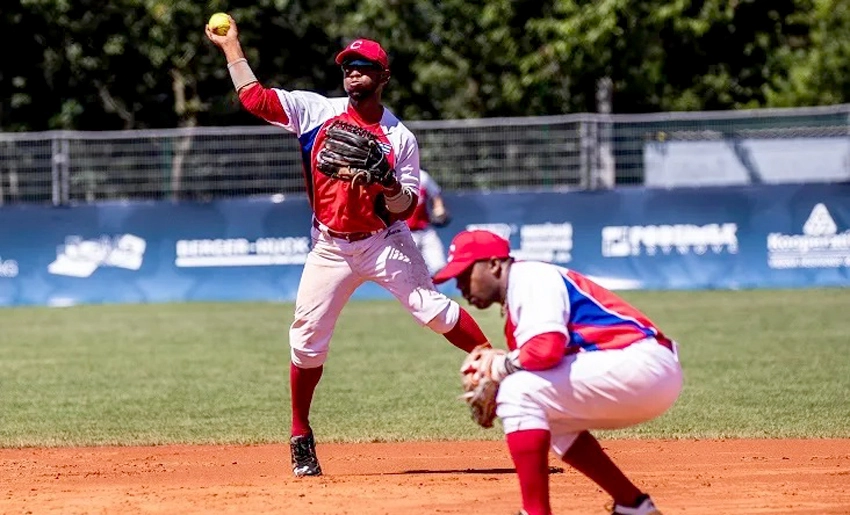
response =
{"points": [[582, 151]]}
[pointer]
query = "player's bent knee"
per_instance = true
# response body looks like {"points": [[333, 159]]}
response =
{"points": [[303, 358], [446, 319]]}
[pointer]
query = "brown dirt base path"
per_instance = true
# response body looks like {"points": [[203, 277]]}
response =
{"points": [[472, 478]]}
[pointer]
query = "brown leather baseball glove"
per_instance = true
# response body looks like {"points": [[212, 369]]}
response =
{"points": [[479, 385], [351, 153]]}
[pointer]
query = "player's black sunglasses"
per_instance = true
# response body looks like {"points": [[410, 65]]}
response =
{"points": [[361, 65]]}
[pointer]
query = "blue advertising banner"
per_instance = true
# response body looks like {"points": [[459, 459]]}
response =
{"points": [[686, 238], [767, 236], [153, 252]]}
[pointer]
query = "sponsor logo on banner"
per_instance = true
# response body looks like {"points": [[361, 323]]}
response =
{"points": [[239, 252], [681, 239], [820, 245], [79, 257], [8, 268], [503, 230], [551, 242], [545, 242]]}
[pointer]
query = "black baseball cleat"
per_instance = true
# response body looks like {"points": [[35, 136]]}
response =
{"points": [[304, 460]]}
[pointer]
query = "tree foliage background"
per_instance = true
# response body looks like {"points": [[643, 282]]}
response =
{"points": [[128, 64]]}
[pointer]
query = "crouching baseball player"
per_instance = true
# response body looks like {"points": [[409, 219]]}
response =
{"points": [[580, 358]]}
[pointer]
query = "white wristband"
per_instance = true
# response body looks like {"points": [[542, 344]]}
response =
{"points": [[400, 202], [504, 365], [241, 73]]}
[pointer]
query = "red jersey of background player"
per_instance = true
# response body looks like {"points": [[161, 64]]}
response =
{"points": [[428, 189]]}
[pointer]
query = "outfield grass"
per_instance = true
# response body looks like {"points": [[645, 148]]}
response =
{"points": [[757, 364]]}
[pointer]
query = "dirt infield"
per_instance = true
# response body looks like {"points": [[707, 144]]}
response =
{"points": [[689, 477]]}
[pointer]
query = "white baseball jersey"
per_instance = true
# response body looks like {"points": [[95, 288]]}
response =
{"points": [[618, 369], [334, 203], [352, 243]]}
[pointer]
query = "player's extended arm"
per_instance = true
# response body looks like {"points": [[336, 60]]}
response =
{"points": [[256, 99]]}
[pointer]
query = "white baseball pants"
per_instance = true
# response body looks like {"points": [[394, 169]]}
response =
{"points": [[608, 389], [336, 267]]}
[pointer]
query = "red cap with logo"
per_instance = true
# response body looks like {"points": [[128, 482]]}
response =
{"points": [[364, 49], [467, 248]]}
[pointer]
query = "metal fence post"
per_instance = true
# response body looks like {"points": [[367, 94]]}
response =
{"points": [[60, 170], [605, 176], [588, 151], [2, 191], [55, 163], [66, 171]]}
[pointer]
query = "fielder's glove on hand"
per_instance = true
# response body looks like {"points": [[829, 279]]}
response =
{"points": [[351, 153], [481, 373]]}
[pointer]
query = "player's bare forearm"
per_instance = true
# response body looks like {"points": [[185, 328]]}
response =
{"points": [[232, 51], [237, 65]]}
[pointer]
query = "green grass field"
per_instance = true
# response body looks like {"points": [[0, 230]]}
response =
{"points": [[757, 364]]}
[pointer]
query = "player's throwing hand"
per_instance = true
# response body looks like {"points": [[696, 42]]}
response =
{"points": [[232, 34]]}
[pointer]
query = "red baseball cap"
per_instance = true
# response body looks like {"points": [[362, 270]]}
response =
{"points": [[365, 49], [467, 248]]}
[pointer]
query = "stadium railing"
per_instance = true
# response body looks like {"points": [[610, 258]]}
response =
{"points": [[552, 153]]}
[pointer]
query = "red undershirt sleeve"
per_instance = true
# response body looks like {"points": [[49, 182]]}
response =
{"points": [[542, 351], [263, 102]]}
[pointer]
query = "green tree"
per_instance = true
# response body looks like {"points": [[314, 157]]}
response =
{"points": [[89, 64], [679, 55], [27, 94], [121, 64], [819, 67]]}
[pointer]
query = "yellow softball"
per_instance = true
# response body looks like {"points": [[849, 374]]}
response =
{"points": [[219, 23]]}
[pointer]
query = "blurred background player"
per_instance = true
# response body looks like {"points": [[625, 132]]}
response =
{"points": [[359, 233], [580, 358], [431, 211]]}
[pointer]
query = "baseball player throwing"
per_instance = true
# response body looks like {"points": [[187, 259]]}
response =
{"points": [[361, 167], [580, 358], [430, 212]]}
